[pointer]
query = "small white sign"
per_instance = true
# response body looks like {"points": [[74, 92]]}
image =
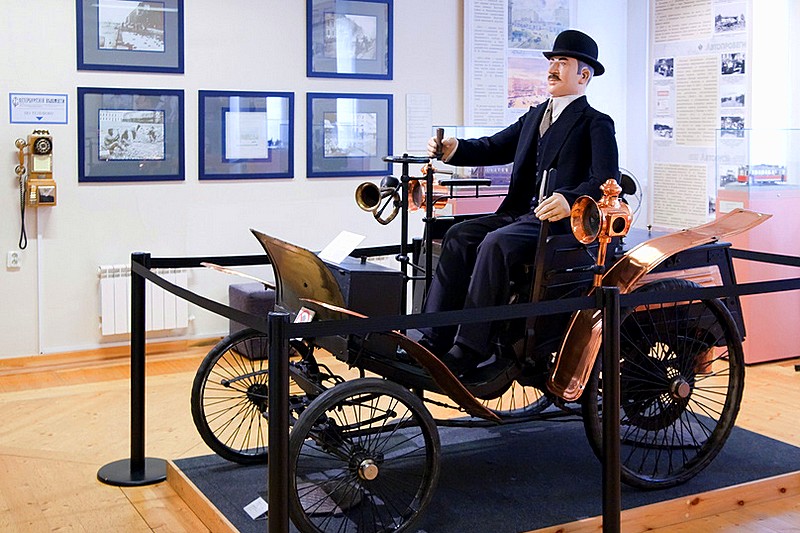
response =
{"points": [[34, 108], [256, 508], [304, 315], [341, 247], [419, 123]]}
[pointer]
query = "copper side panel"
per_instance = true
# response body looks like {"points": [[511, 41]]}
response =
{"points": [[299, 273], [442, 376], [582, 342]]}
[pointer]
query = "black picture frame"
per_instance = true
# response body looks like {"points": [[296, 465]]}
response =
{"points": [[348, 134], [130, 35], [245, 134], [130, 135], [349, 39]]}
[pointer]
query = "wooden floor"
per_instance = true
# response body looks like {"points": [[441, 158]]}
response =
{"points": [[65, 416]]}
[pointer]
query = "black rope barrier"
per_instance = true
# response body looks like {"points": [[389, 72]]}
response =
{"points": [[765, 257], [465, 316], [280, 330]]}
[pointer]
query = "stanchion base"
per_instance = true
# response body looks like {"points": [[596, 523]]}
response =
{"points": [[121, 474]]}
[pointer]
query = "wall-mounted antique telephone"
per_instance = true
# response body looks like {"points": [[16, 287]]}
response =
{"points": [[36, 184]]}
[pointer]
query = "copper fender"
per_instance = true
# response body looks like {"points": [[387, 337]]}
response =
{"points": [[581, 344]]}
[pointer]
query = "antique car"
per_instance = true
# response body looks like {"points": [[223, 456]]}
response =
{"points": [[364, 453]]}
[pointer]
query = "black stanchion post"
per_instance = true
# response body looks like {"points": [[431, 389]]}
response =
{"points": [[138, 348], [278, 435], [428, 220], [138, 470], [404, 185], [612, 505]]}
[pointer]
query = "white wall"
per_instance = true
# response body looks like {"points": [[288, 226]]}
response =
{"points": [[772, 77], [620, 29], [51, 304]]}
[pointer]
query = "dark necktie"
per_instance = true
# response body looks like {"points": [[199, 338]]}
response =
{"points": [[547, 119]]}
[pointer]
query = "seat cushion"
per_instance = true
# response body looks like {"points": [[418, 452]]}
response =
{"points": [[251, 298]]}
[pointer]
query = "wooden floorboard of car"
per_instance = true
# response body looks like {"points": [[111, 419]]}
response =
{"points": [[67, 415]]}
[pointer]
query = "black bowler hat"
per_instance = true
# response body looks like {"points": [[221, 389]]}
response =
{"points": [[573, 43]]}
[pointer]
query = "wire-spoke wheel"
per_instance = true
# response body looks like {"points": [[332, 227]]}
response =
{"points": [[519, 401], [230, 397], [364, 457], [681, 383]]}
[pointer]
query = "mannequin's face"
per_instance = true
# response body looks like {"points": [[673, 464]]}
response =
{"points": [[563, 78]]}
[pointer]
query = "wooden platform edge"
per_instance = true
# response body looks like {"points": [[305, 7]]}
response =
{"points": [[205, 510], [692, 507]]}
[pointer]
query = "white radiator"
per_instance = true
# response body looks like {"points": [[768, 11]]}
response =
{"points": [[163, 310]]}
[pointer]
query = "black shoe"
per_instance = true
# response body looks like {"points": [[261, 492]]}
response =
{"points": [[432, 346], [461, 359], [425, 342]]}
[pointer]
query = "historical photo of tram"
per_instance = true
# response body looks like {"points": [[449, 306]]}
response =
{"points": [[131, 25], [130, 135], [534, 25], [351, 134]]}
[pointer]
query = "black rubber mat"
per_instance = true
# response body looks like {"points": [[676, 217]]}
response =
{"points": [[512, 478]]}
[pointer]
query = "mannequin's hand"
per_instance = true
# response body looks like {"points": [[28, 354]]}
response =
{"points": [[448, 147], [553, 208]]}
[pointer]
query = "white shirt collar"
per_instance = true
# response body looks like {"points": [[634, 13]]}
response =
{"points": [[561, 102]]}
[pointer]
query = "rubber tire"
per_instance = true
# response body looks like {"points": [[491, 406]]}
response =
{"points": [[232, 420], [681, 466], [334, 409]]}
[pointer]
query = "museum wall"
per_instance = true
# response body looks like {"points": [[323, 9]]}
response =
{"points": [[52, 304]]}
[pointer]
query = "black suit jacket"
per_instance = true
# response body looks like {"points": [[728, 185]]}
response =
{"points": [[580, 145]]}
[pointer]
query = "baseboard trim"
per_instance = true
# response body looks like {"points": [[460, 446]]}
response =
{"points": [[98, 357]]}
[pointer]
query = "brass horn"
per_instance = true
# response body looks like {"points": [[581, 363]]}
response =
{"points": [[417, 197], [369, 197], [601, 220]]}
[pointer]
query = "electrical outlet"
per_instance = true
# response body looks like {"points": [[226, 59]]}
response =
{"points": [[13, 259]]}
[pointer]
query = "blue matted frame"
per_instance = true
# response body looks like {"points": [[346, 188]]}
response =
{"points": [[147, 35], [349, 39], [275, 136], [348, 134], [142, 136]]}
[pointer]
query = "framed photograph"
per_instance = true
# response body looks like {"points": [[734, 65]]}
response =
{"points": [[349, 39], [130, 35], [246, 135], [348, 134], [130, 134]]}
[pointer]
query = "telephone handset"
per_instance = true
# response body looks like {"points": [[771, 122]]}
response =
{"points": [[36, 184]]}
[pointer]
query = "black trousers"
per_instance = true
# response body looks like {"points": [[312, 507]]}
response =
{"points": [[474, 271]]}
